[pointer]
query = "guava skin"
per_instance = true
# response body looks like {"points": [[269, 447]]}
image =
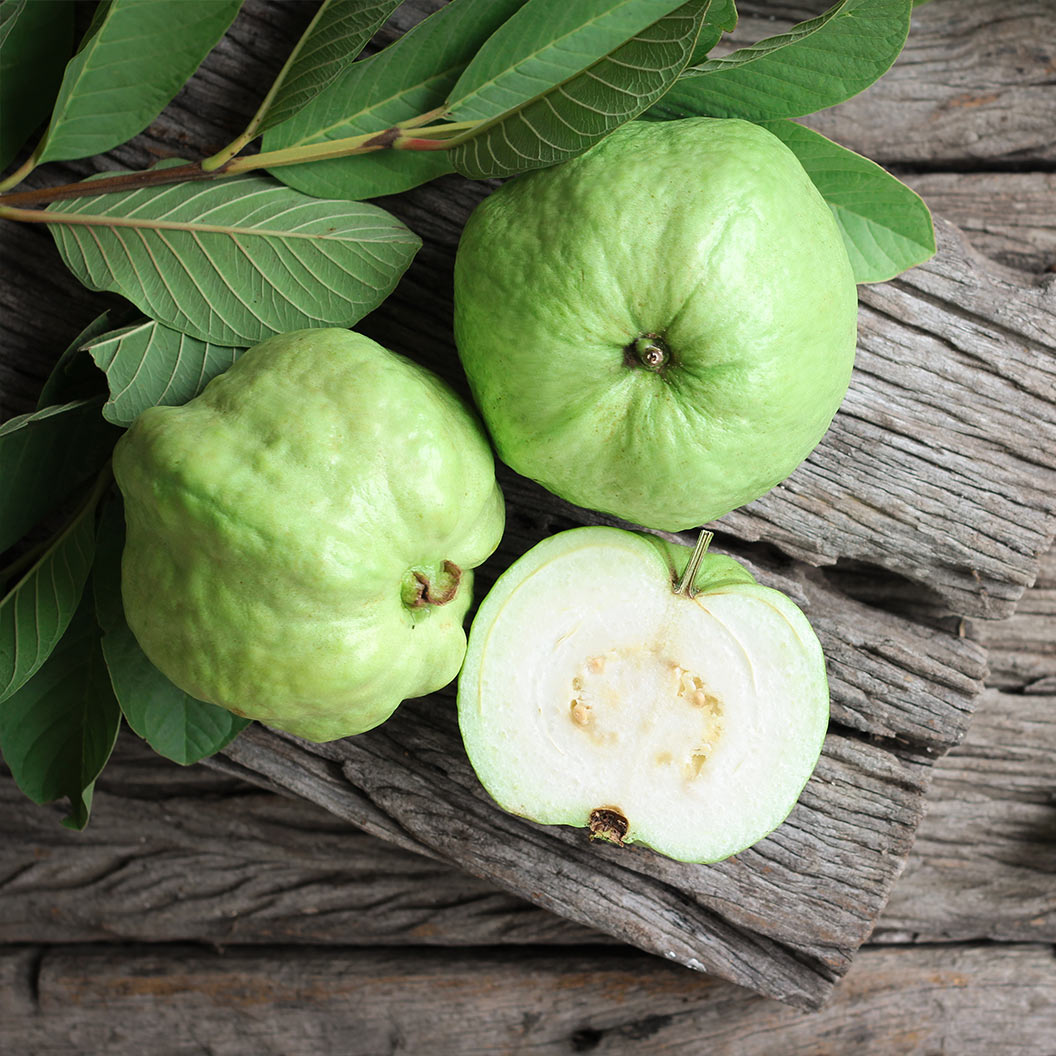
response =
{"points": [[662, 328], [300, 535]]}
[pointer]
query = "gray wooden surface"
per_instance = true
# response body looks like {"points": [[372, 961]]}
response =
{"points": [[319, 932]]}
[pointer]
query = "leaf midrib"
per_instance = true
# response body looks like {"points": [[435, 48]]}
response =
{"points": [[489, 123], [548, 47], [97, 220]]}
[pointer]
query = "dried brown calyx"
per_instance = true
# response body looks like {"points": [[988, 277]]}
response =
{"points": [[438, 591], [609, 824]]}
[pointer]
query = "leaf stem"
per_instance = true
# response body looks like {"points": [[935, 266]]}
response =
{"points": [[222, 157], [36, 216], [20, 173], [430, 137], [367, 143]]}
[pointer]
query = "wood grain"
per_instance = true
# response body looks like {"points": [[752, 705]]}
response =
{"points": [[1007, 216], [184, 1000], [949, 424], [970, 90], [1021, 651], [188, 854]]}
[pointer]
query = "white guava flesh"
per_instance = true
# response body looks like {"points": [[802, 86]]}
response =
{"points": [[595, 695]]}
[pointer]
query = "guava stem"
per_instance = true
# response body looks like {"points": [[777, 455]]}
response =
{"points": [[648, 351], [685, 584], [650, 354], [124, 182]]}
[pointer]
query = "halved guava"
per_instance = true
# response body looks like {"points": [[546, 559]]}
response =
{"points": [[596, 694]]}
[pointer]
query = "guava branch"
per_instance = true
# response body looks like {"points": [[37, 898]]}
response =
{"points": [[435, 137], [126, 181]]}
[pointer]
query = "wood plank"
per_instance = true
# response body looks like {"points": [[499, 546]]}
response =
{"points": [[783, 917], [218, 861], [272, 869], [984, 859], [950, 425], [968, 91], [970, 1000], [786, 916], [1021, 651], [1007, 216]]}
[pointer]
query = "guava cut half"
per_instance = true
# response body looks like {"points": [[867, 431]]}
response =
{"points": [[595, 694]]}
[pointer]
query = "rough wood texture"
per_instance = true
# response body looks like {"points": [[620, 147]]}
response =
{"points": [[1008, 216], [1022, 649], [985, 855], [968, 91], [950, 425], [188, 854], [935, 377], [176, 1001]]}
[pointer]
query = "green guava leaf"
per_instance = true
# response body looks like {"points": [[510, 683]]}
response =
{"points": [[409, 78], [886, 227], [816, 64], [74, 376], [134, 58], [44, 456], [175, 724], [541, 46], [47, 454], [721, 18], [35, 42], [237, 260], [337, 34], [148, 364], [552, 88], [58, 730], [35, 613]]}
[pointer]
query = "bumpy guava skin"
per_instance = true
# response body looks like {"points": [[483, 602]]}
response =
{"points": [[300, 535], [661, 328]]}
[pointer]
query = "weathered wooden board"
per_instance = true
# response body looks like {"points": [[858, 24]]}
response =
{"points": [[1008, 216], [915, 1001], [984, 861], [941, 464], [177, 854], [1021, 651], [786, 916], [969, 90]]}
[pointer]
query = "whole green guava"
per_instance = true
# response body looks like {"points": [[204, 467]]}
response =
{"points": [[300, 535], [661, 328]]}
